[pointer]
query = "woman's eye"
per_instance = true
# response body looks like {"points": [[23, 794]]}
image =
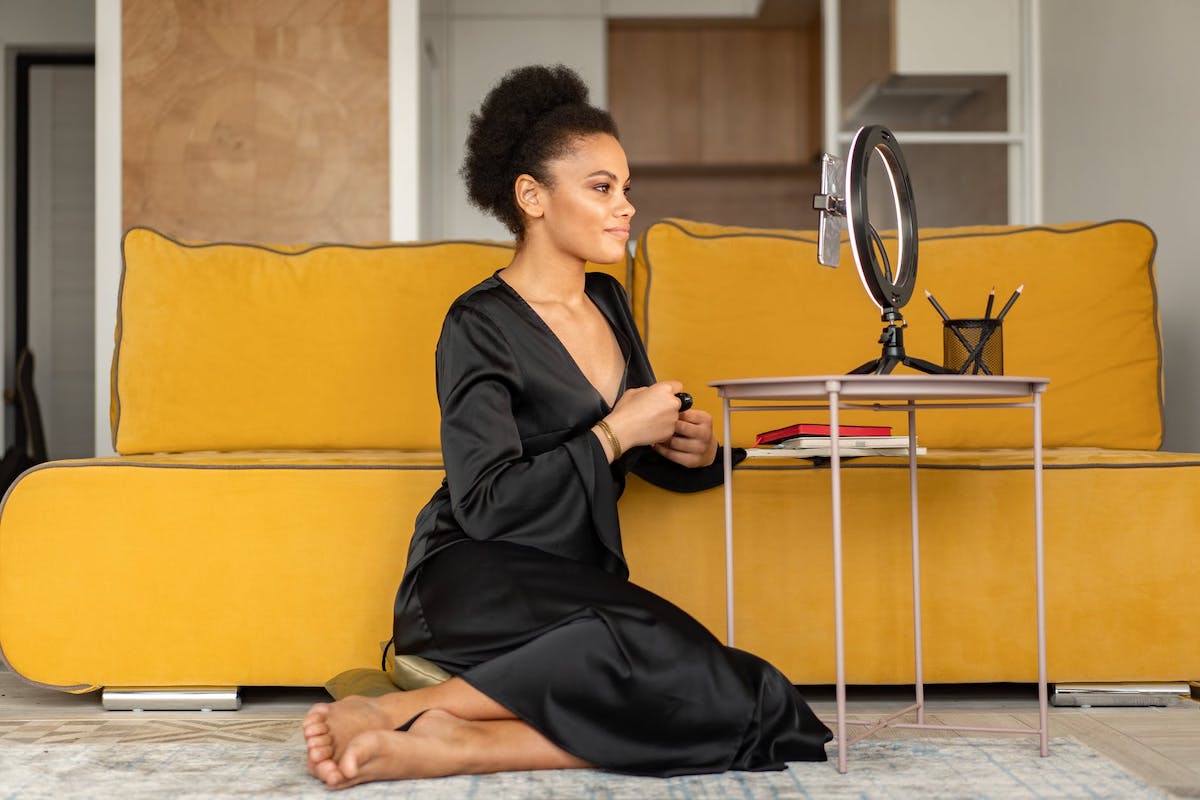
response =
{"points": [[601, 187]]}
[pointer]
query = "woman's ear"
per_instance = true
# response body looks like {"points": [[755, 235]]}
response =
{"points": [[529, 196]]}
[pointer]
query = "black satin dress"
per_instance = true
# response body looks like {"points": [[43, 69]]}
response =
{"points": [[517, 583]]}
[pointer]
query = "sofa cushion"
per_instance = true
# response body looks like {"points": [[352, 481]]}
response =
{"points": [[225, 346], [1119, 591], [717, 302], [206, 569]]}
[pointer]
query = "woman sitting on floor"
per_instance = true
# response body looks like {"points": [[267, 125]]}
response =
{"points": [[516, 582]]}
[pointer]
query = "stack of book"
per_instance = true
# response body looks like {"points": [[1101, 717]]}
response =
{"points": [[813, 440]]}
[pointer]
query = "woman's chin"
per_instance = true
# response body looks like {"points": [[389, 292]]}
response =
{"points": [[608, 255]]}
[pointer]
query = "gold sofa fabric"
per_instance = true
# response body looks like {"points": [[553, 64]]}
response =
{"points": [[206, 569], [719, 302], [1119, 584], [280, 569], [227, 346]]}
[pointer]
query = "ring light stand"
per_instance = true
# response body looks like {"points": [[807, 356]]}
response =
{"points": [[887, 291]]}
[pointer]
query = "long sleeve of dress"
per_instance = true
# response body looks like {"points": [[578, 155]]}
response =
{"points": [[666, 474], [526, 487]]}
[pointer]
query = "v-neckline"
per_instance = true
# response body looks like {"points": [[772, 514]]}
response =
{"points": [[622, 345]]}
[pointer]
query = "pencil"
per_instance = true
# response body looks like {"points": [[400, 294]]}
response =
{"points": [[1010, 302], [939, 309], [946, 318], [987, 312]]}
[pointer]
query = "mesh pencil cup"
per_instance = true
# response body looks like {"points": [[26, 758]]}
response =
{"points": [[973, 346]]}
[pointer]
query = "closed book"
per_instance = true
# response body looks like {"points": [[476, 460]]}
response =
{"points": [[819, 429], [802, 442], [826, 452]]}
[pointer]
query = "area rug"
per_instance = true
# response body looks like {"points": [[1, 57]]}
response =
{"points": [[958, 768]]}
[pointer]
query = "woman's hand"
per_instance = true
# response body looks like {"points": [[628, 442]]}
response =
{"points": [[650, 415], [693, 443], [645, 415]]}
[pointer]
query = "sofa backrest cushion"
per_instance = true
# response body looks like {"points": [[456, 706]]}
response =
{"points": [[717, 302], [225, 346]]}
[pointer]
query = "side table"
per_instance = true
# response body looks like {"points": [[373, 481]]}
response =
{"points": [[907, 393]]}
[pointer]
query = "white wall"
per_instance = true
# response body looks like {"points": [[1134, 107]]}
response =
{"points": [[404, 118], [46, 25], [1120, 118], [433, 111], [961, 36], [109, 218]]}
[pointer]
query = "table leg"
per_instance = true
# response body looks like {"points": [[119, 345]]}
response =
{"points": [[835, 471], [918, 659], [727, 466], [1039, 531]]}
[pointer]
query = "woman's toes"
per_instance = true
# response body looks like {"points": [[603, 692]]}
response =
{"points": [[328, 773], [315, 727], [316, 714], [361, 751]]}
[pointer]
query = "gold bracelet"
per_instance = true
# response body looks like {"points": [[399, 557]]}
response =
{"points": [[613, 441]]}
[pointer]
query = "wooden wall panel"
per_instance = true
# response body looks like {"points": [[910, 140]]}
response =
{"points": [[703, 94], [654, 93], [756, 96], [256, 120], [777, 198]]}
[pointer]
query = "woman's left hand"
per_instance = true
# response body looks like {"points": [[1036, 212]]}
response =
{"points": [[693, 444]]}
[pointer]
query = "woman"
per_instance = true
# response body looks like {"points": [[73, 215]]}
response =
{"points": [[516, 582]]}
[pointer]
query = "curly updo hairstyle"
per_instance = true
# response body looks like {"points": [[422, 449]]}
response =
{"points": [[531, 117]]}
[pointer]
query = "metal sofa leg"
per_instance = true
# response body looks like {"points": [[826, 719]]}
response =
{"points": [[171, 698], [1085, 695]]}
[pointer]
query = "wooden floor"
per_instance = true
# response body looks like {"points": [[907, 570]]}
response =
{"points": [[1161, 745]]}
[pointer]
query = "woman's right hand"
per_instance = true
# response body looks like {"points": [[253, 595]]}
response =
{"points": [[646, 414]]}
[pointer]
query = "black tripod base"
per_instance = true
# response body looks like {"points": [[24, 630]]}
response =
{"points": [[885, 364], [893, 353]]}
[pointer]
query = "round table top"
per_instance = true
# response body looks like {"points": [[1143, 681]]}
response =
{"points": [[881, 387]]}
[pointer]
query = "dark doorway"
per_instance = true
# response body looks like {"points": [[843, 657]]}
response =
{"points": [[53, 234]]}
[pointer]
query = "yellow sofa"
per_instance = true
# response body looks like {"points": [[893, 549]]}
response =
{"points": [[274, 412]]}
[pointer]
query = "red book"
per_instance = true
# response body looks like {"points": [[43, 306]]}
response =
{"points": [[815, 429]]}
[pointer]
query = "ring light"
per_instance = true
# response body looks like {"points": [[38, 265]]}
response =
{"points": [[883, 290], [843, 205]]}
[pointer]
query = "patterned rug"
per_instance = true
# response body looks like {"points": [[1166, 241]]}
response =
{"points": [[209, 760]]}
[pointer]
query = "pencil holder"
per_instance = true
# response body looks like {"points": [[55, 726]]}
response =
{"points": [[973, 346]]}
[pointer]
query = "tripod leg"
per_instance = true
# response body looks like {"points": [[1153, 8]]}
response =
{"points": [[927, 367], [866, 369]]}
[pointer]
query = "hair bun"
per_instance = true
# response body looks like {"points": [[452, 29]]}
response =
{"points": [[526, 119], [537, 90]]}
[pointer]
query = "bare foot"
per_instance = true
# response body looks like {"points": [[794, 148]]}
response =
{"points": [[435, 745], [440, 744], [329, 727]]}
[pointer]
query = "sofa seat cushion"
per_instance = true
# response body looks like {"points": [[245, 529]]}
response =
{"points": [[281, 569], [1119, 530], [206, 568], [717, 303]]}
